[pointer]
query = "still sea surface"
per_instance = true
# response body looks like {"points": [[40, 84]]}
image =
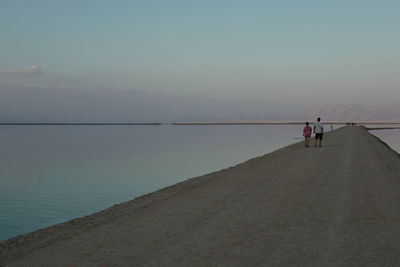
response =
{"points": [[389, 136], [50, 174]]}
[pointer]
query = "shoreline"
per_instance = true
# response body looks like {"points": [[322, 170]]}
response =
{"points": [[188, 123]]}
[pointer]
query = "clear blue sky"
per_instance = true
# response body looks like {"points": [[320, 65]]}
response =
{"points": [[327, 50]]}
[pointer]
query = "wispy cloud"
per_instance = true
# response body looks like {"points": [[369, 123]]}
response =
{"points": [[33, 70]]}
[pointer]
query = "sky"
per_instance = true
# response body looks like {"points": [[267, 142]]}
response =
{"points": [[193, 60]]}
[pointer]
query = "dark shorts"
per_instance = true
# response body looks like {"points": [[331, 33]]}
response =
{"points": [[318, 136]]}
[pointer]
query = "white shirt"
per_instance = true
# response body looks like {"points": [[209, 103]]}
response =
{"points": [[318, 126]]}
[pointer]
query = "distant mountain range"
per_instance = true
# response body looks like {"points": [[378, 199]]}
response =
{"points": [[46, 104], [387, 112]]}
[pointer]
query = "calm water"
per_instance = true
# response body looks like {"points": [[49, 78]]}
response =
{"points": [[390, 137], [50, 174]]}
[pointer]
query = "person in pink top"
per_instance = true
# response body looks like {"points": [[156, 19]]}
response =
{"points": [[307, 134]]}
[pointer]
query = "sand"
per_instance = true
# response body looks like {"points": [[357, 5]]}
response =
{"points": [[338, 205]]}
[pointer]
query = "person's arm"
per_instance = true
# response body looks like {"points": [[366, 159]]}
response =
{"points": [[322, 129], [314, 129]]}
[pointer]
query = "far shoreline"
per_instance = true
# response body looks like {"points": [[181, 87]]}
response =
{"points": [[189, 123]]}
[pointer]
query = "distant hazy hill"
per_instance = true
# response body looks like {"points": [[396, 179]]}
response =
{"points": [[387, 112]]}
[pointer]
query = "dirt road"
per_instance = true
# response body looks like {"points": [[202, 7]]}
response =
{"points": [[338, 205]]}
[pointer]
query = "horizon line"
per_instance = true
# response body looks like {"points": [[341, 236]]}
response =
{"points": [[188, 123]]}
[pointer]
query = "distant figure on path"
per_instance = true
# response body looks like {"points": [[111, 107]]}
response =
{"points": [[331, 127], [319, 131], [307, 134]]}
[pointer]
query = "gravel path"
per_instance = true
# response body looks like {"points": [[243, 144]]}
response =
{"points": [[338, 205]]}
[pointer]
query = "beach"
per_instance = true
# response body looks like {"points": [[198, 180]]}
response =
{"points": [[335, 205]]}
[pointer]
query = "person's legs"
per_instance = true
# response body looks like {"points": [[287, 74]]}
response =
{"points": [[318, 136]]}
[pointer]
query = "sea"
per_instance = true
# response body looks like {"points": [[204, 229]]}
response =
{"points": [[51, 174], [390, 136]]}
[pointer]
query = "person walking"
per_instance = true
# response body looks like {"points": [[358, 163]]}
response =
{"points": [[307, 130], [319, 131]]}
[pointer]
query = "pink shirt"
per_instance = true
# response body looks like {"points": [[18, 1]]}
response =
{"points": [[307, 131]]}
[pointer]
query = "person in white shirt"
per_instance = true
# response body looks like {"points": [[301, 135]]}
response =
{"points": [[319, 131]]}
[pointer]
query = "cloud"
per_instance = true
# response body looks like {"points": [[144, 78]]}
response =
{"points": [[33, 70]]}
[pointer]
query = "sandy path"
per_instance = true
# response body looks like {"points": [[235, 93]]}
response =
{"points": [[338, 205]]}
